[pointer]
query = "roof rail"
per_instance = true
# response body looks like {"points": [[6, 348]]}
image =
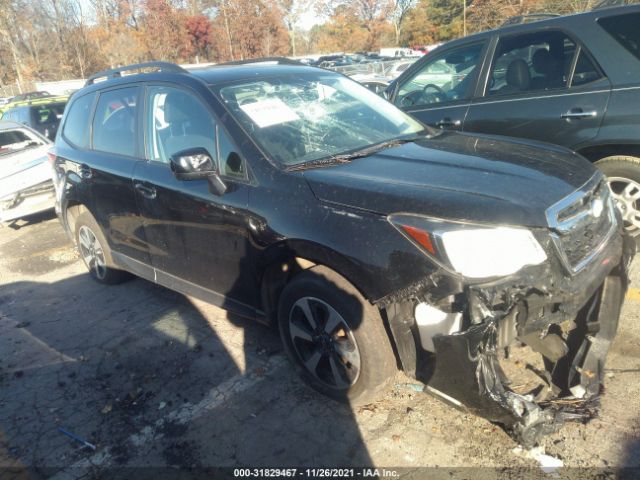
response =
{"points": [[531, 17], [117, 72], [277, 60]]}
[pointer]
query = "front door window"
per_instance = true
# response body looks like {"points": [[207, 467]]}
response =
{"points": [[445, 78]]}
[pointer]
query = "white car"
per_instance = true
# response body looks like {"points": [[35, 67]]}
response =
{"points": [[26, 176]]}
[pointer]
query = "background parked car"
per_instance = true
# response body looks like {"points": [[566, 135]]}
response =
{"points": [[26, 181], [572, 80], [43, 117]]}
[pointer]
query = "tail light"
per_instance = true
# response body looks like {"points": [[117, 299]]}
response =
{"points": [[51, 155]]}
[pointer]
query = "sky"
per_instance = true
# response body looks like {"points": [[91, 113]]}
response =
{"points": [[308, 20]]}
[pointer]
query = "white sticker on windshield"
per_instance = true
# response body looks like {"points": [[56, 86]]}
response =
{"points": [[266, 113]]}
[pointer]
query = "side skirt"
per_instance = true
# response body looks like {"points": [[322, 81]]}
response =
{"points": [[185, 287]]}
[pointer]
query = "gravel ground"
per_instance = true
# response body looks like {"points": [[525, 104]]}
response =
{"points": [[152, 378]]}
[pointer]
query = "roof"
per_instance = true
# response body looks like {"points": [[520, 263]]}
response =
{"points": [[550, 22]]}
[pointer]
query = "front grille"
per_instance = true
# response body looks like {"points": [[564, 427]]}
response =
{"points": [[582, 223]]}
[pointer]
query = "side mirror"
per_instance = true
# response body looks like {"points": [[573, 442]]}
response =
{"points": [[197, 163], [192, 164]]}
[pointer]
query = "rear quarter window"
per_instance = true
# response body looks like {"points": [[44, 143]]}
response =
{"points": [[625, 29], [76, 125]]}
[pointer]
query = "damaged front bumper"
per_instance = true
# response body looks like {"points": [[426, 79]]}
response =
{"points": [[567, 320]]}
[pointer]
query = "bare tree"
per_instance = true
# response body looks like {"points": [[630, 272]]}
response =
{"points": [[400, 10]]}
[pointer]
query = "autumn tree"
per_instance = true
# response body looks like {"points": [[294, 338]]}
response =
{"points": [[417, 29], [165, 32], [200, 36]]}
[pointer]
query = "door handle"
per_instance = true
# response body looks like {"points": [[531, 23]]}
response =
{"points": [[145, 191], [85, 172], [448, 123], [578, 113]]}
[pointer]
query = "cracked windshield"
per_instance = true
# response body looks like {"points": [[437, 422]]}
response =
{"points": [[304, 118]]}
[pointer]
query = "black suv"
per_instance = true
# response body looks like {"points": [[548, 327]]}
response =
{"points": [[295, 196], [571, 80]]}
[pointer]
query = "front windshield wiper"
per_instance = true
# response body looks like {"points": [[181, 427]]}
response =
{"points": [[347, 157]]}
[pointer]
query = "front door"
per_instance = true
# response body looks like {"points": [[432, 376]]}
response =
{"points": [[195, 235], [437, 91], [543, 86]]}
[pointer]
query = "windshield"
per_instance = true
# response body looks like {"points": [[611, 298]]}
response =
{"points": [[12, 141], [307, 117]]}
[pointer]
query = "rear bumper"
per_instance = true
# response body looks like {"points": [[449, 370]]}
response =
{"points": [[566, 321], [35, 199]]}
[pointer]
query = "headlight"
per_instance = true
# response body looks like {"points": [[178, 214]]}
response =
{"points": [[473, 251]]}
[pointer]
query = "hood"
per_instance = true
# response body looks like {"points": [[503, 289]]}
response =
{"points": [[457, 177]]}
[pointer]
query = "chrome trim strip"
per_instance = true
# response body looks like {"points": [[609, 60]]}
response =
{"points": [[538, 97], [428, 109]]}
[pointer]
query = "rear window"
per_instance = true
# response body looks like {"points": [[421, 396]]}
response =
{"points": [[48, 114], [12, 141], [76, 126], [625, 29]]}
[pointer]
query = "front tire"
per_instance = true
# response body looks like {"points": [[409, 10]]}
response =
{"points": [[334, 337], [623, 175], [94, 251]]}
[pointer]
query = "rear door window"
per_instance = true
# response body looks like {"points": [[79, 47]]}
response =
{"points": [[538, 61], [115, 122], [625, 29], [531, 62], [78, 120]]}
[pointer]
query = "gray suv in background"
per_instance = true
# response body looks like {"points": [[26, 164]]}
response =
{"points": [[571, 80]]}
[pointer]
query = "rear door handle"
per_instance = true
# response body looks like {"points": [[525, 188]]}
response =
{"points": [[85, 172], [146, 191], [578, 113], [448, 123]]}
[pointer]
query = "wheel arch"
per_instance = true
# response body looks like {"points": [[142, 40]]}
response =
{"points": [[70, 213], [593, 153], [283, 261]]}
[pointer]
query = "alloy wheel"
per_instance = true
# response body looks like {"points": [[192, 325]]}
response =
{"points": [[626, 193], [92, 252], [324, 343]]}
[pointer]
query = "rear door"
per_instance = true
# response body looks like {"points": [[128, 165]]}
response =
{"points": [[542, 85], [197, 237], [437, 91]]}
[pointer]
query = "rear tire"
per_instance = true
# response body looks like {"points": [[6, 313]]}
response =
{"points": [[348, 355], [95, 253]]}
